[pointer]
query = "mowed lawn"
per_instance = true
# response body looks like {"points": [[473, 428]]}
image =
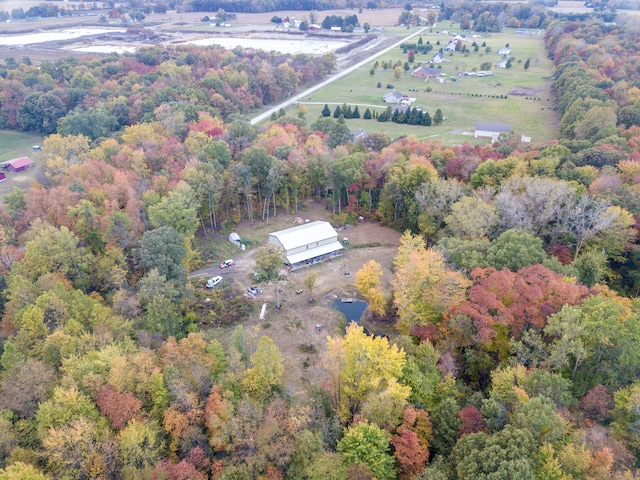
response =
{"points": [[17, 144], [14, 145], [526, 102]]}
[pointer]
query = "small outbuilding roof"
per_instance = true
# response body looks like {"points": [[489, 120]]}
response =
{"points": [[301, 235]]}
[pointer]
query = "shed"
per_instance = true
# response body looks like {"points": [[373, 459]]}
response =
{"points": [[491, 130], [235, 239], [307, 244], [18, 164], [3, 176]]}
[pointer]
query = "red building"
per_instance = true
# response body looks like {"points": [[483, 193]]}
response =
{"points": [[18, 164]]}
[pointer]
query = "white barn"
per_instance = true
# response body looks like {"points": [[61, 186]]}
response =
{"points": [[491, 130], [307, 244]]}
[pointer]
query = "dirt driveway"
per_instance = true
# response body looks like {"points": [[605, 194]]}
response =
{"points": [[293, 327]]}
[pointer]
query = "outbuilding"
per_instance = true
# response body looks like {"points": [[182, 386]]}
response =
{"points": [[491, 130], [307, 244], [18, 164]]}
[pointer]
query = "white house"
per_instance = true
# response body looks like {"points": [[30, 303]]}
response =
{"points": [[437, 58], [491, 130], [504, 51], [307, 244], [393, 96], [451, 47], [502, 64]]}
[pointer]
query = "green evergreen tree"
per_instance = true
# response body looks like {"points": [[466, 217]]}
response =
{"points": [[356, 112], [348, 113], [527, 64], [274, 116], [326, 112], [281, 113], [367, 114], [438, 118], [337, 112]]}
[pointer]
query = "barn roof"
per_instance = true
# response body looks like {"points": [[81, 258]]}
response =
{"points": [[19, 162], [493, 127], [304, 234]]}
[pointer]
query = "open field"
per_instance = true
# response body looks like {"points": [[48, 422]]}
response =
{"points": [[13, 145], [527, 107], [17, 144]]}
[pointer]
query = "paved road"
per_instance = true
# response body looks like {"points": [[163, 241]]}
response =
{"points": [[332, 78]]}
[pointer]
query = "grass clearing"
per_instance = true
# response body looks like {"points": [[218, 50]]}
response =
{"points": [[17, 144], [528, 106]]}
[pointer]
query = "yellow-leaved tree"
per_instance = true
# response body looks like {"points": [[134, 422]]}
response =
{"points": [[265, 374], [362, 366], [424, 289], [368, 284]]}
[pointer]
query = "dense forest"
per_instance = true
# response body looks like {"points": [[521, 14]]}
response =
{"points": [[514, 294]]}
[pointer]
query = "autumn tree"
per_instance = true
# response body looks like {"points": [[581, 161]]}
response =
{"points": [[361, 366], [424, 289], [368, 284], [472, 218], [366, 443], [265, 374], [310, 283], [269, 260], [504, 304]]}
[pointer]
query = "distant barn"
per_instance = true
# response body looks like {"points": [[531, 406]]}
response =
{"points": [[17, 164]]}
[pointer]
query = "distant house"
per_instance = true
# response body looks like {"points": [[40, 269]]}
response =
{"points": [[502, 64], [444, 32], [491, 130], [459, 37], [358, 30], [437, 58], [307, 244], [358, 135], [504, 51], [17, 164], [451, 47], [336, 29], [314, 27], [426, 72], [393, 96]]}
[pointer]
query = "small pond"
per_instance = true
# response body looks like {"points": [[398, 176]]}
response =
{"points": [[351, 308]]}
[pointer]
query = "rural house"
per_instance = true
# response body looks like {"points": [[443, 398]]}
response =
{"points": [[17, 164], [426, 72], [307, 244], [437, 58], [451, 47], [393, 96], [504, 51], [491, 130]]}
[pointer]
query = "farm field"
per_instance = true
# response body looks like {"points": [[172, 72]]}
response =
{"points": [[528, 106], [17, 144]]}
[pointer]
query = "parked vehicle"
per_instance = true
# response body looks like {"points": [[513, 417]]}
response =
{"points": [[253, 290], [212, 282], [227, 263]]}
